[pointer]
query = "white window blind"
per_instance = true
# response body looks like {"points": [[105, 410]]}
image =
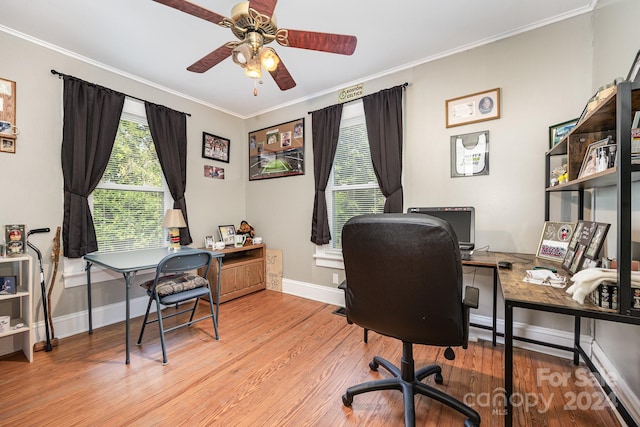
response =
{"points": [[352, 188], [129, 203]]}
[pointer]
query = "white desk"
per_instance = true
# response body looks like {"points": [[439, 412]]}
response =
{"points": [[129, 263]]}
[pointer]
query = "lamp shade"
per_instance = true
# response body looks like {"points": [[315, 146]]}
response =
{"points": [[173, 219]]}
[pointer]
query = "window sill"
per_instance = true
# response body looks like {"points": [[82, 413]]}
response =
{"points": [[329, 261]]}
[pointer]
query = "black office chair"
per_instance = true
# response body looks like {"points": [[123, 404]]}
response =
{"points": [[173, 285], [404, 280]]}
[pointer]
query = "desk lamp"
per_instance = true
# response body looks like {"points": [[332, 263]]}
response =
{"points": [[173, 220]]}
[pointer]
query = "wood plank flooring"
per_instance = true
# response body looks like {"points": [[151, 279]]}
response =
{"points": [[281, 361]]}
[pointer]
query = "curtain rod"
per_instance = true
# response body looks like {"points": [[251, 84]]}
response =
{"points": [[404, 85], [121, 93]]}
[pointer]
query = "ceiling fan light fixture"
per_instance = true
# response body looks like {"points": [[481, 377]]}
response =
{"points": [[253, 69], [242, 54], [269, 59]]}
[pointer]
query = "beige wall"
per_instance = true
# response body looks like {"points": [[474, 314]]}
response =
{"points": [[32, 190]]}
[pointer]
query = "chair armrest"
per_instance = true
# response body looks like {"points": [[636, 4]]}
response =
{"points": [[471, 297]]}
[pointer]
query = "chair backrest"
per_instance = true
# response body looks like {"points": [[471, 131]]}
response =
{"points": [[404, 277], [185, 260]]}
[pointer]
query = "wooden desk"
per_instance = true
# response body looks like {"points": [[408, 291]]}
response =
{"points": [[485, 259], [519, 294], [489, 260]]}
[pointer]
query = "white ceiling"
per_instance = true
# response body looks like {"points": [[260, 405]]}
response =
{"points": [[154, 43]]}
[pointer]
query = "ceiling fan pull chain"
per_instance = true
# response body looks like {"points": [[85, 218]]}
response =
{"points": [[255, 87]]}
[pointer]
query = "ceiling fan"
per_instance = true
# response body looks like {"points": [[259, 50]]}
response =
{"points": [[254, 24]]}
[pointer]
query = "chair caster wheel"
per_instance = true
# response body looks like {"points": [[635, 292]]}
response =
{"points": [[469, 423], [437, 377], [347, 400], [373, 365]]}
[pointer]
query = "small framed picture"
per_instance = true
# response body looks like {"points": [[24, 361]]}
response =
{"points": [[590, 162], [8, 145], [473, 108], [215, 147], [208, 242], [227, 232], [559, 131], [555, 239], [7, 285]]}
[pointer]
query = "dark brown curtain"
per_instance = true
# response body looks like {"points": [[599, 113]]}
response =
{"points": [[169, 132], [91, 120], [383, 115], [326, 130]]}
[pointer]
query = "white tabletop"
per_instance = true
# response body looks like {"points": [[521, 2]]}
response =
{"points": [[128, 261]]}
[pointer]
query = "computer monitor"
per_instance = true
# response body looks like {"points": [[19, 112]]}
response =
{"points": [[461, 219]]}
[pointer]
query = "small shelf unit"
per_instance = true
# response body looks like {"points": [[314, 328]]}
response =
{"points": [[18, 307]]}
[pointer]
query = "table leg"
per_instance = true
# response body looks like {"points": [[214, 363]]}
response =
{"points": [[88, 270], [508, 363], [127, 280], [576, 340], [495, 304]]}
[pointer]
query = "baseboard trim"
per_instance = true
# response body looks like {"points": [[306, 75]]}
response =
{"points": [[616, 382]]}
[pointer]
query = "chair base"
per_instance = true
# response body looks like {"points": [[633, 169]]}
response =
{"points": [[407, 380]]}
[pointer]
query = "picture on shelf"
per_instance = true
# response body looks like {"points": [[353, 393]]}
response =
{"points": [[7, 285], [15, 237], [559, 131], [590, 161]]}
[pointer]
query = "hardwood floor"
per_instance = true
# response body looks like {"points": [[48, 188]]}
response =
{"points": [[281, 361]]}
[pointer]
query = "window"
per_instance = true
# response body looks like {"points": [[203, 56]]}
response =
{"points": [[128, 204], [352, 188]]}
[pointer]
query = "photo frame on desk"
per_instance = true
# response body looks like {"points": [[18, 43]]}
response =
{"points": [[585, 246], [226, 233], [555, 239]]}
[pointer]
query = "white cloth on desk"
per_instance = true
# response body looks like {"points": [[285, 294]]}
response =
{"points": [[587, 280], [545, 277]]}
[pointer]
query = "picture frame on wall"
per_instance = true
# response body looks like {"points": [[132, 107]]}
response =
{"points": [[8, 145], [555, 239], [277, 151], [477, 107], [560, 130], [470, 154], [215, 147]]}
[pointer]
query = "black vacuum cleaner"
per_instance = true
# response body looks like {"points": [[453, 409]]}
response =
{"points": [[48, 346]]}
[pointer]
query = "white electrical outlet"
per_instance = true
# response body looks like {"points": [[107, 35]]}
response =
{"points": [[335, 278]]}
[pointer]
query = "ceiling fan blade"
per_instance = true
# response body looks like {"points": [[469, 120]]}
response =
{"points": [[193, 9], [210, 60], [264, 7], [282, 77], [324, 42]]}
